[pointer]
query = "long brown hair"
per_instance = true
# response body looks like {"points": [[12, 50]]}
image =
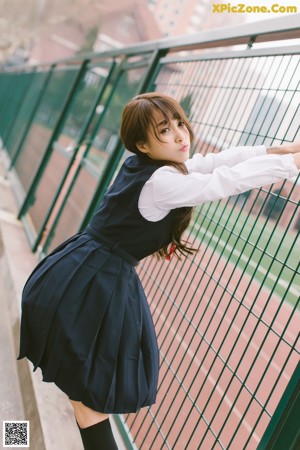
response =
{"points": [[137, 121]]}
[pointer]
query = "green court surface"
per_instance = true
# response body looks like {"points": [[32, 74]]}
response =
{"points": [[255, 245]]}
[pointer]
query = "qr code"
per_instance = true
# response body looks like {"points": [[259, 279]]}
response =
{"points": [[16, 434]]}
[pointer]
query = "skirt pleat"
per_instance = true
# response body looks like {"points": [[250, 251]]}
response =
{"points": [[86, 323]]}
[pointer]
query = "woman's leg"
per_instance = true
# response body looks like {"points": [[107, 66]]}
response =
{"points": [[86, 416], [94, 427]]}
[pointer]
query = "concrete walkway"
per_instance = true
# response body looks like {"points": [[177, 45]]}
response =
{"points": [[23, 394]]}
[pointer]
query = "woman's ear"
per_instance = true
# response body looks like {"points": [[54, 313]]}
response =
{"points": [[142, 147]]}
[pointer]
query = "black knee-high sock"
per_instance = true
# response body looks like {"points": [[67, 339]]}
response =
{"points": [[98, 437]]}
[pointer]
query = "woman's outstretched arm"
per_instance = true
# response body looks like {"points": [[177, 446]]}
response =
{"points": [[167, 189], [236, 155], [284, 149]]}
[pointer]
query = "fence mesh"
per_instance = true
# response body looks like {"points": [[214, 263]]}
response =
{"points": [[227, 319]]}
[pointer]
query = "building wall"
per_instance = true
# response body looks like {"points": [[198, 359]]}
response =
{"points": [[176, 17]]}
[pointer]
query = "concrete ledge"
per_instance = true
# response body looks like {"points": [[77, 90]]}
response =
{"points": [[52, 425]]}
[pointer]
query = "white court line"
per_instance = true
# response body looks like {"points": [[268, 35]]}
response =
{"points": [[268, 317], [294, 290]]}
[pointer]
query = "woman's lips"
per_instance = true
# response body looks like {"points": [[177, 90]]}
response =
{"points": [[184, 148]]}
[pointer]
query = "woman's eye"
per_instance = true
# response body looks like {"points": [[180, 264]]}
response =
{"points": [[181, 123], [165, 130]]}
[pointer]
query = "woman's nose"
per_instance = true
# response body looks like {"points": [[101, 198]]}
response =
{"points": [[179, 135]]}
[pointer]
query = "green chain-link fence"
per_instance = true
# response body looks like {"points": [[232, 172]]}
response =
{"points": [[227, 319]]}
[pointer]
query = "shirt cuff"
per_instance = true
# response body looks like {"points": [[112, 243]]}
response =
{"points": [[260, 150], [290, 165]]}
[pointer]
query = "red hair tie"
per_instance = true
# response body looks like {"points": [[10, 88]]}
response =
{"points": [[172, 250]]}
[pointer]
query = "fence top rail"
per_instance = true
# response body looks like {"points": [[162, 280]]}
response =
{"points": [[287, 27]]}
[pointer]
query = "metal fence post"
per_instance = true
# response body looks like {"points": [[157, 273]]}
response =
{"points": [[283, 431], [31, 117], [18, 108], [79, 142], [58, 126]]}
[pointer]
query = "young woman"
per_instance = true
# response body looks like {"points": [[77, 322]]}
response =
{"points": [[85, 319]]}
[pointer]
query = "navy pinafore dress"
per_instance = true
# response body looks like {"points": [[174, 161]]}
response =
{"points": [[85, 318]]}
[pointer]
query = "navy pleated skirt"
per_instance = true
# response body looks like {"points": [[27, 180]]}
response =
{"points": [[86, 323]]}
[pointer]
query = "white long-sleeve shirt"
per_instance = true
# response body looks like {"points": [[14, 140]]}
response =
{"points": [[212, 177]]}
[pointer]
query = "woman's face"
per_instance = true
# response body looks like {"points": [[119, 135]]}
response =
{"points": [[173, 143]]}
